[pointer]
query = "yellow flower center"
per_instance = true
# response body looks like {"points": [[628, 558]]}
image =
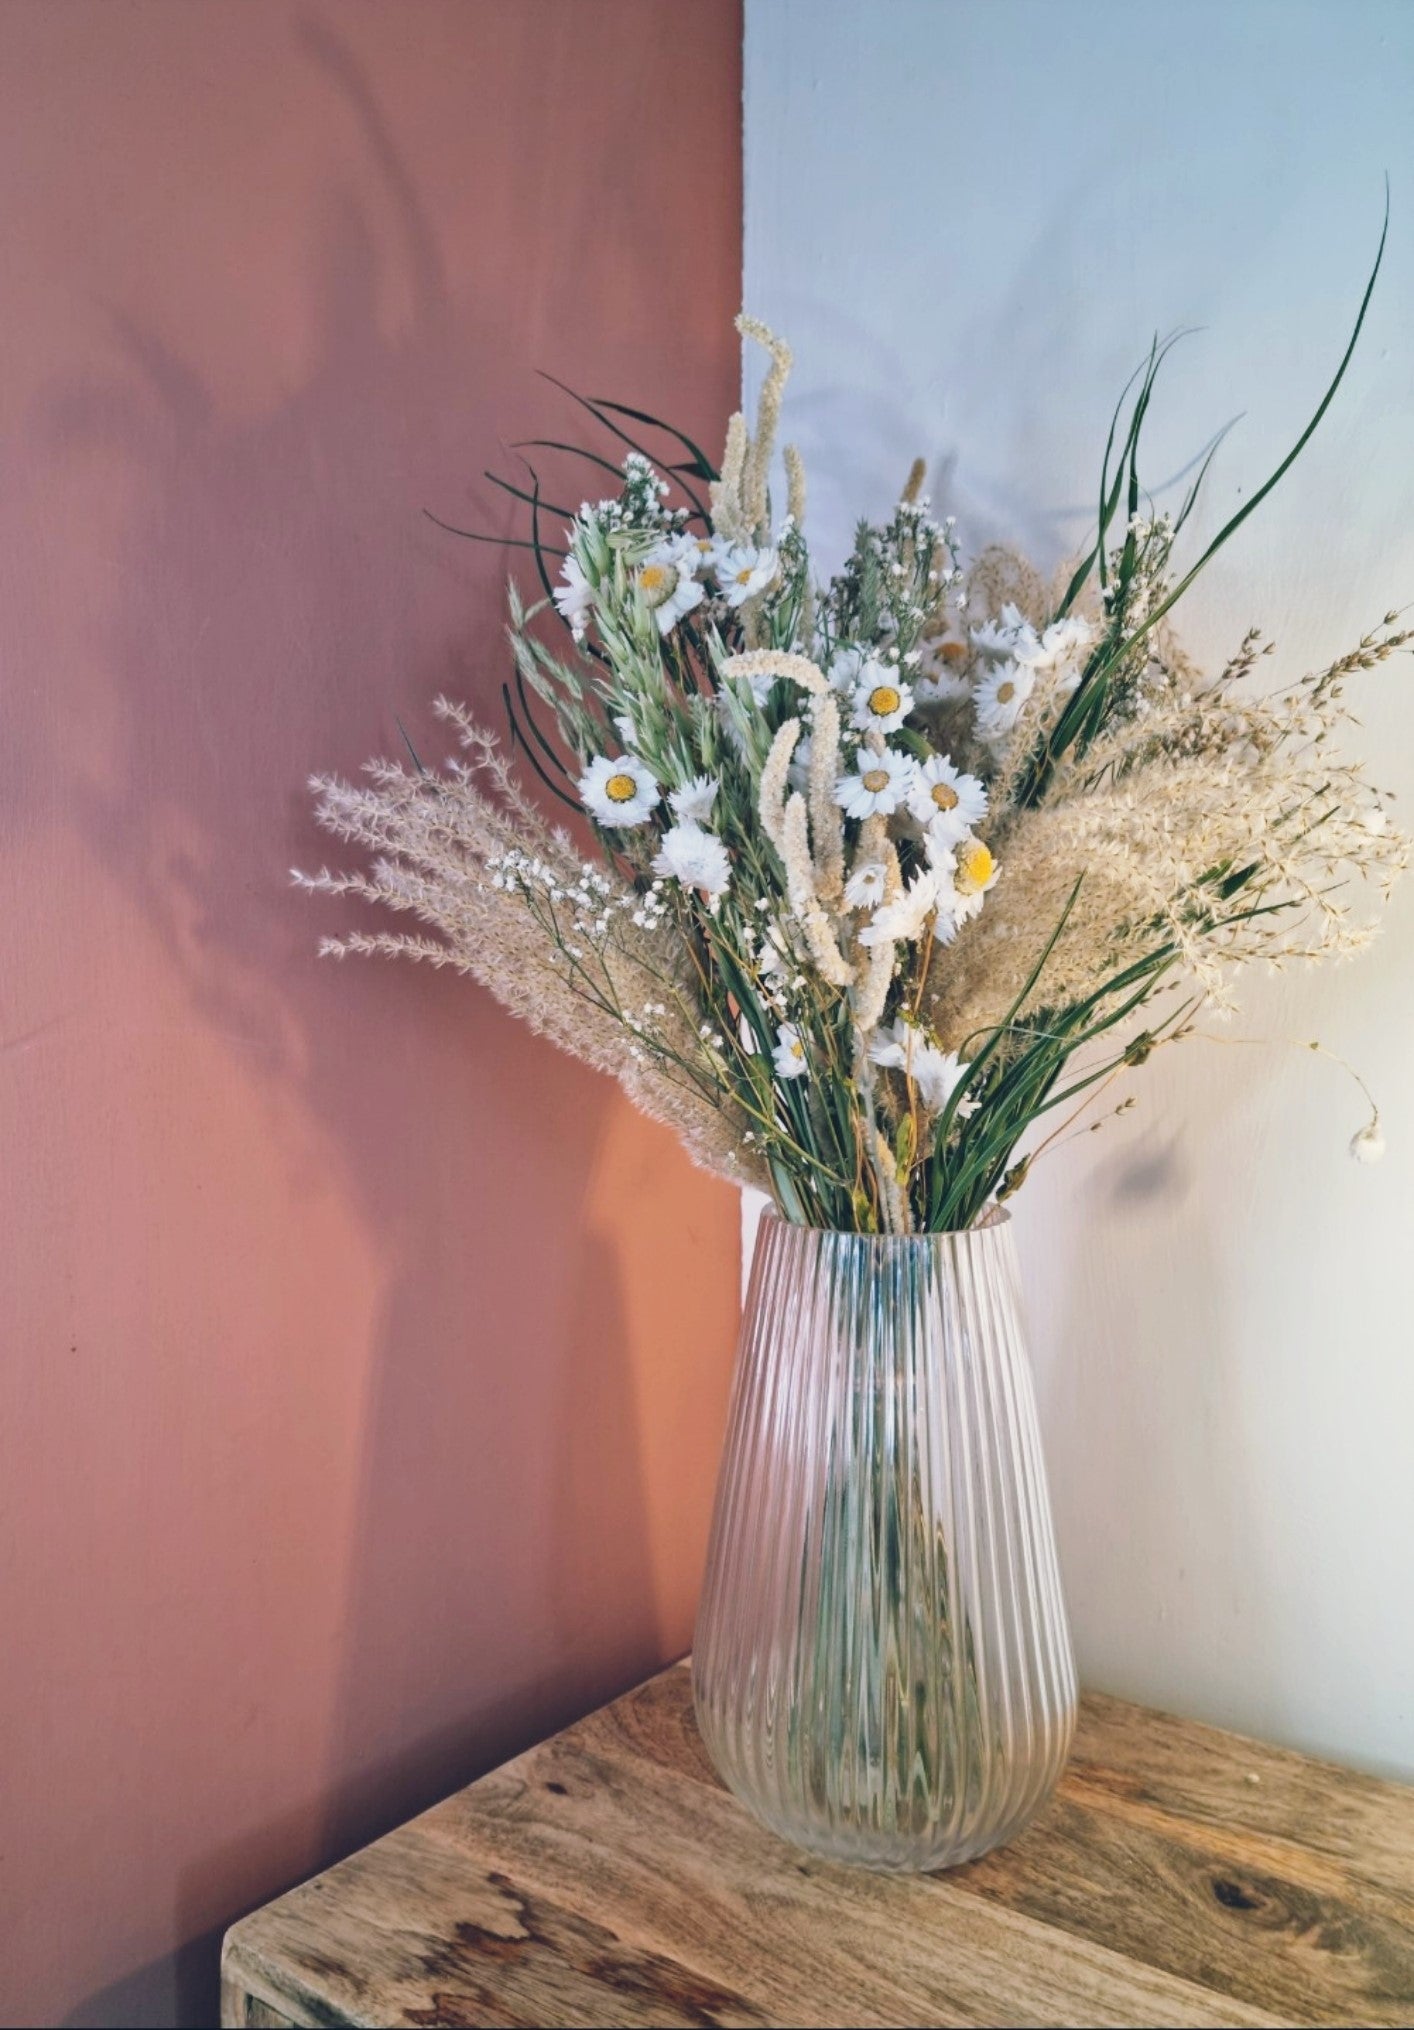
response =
{"points": [[883, 700], [875, 779], [945, 796], [621, 789], [743, 577], [974, 867], [797, 1049], [1006, 692], [656, 582]]}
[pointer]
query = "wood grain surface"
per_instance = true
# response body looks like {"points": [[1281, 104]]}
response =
{"points": [[1179, 1876]]}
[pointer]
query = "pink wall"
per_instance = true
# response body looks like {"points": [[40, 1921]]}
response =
{"points": [[364, 1360]]}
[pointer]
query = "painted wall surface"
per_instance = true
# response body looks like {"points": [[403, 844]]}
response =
{"points": [[364, 1361], [970, 220]]}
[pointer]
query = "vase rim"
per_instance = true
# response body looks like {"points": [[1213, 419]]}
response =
{"points": [[992, 1220]]}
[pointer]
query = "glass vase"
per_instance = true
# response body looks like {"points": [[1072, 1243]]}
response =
{"points": [[882, 1666]]}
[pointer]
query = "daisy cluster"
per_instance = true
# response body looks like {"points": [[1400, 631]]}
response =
{"points": [[670, 571], [621, 794]]}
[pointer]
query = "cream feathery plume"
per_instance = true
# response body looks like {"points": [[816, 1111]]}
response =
{"points": [[804, 900], [873, 842], [771, 798], [776, 662], [873, 991], [724, 494], [768, 415], [885, 1169], [826, 817], [913, 485], [795, 484]]}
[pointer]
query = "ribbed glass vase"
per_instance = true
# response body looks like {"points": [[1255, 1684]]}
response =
{"points": [[882, 1666]]}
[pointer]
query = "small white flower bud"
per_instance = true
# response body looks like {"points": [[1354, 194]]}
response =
{"points": [[1369, 1145]]}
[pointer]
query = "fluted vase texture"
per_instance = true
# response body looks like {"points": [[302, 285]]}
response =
{"points": [[882, 1666]]}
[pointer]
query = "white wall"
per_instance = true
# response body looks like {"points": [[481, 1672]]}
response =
{"points": [[969, 219]]}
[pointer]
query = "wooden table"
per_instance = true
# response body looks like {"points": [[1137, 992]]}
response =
{"points": [[1180, 1875]]}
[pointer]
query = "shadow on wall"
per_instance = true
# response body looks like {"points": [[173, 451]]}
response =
{"points": [[499, 1573]]}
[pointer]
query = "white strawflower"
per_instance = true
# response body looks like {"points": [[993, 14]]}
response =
{"points": [[999, 697], [882, 701], [1060, 652], [937, 1073], [692, 804], [575, 597], [1369, 1145], [620, 792], [847, 666], [878, 787], [865, 886], [950, 803], [666, 585], [1000, 639], [742, 571], [624, 727], [940, 687], [697, 859], [789, 1053], [905, 917]]}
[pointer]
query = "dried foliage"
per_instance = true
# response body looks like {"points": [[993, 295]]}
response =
{"points": [[888, 868]]}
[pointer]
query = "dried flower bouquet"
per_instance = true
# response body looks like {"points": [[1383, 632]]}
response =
{"points": [[889, 870]]}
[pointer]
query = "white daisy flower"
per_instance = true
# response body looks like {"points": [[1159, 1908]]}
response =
{"points": [[937, 1073], [666, 586], [865, 886], [742, 571], [882, 701], [620, 792], [904, 918], [945, 800], [789, 1053], [881, 783], [697, 859], [973, 873], [692, 804], [575, 597], [1000, 696]]}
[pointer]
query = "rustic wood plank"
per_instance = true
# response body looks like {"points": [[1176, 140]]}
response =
{"points": [[241, 2010], [1205, 1774], [607, 1878]]}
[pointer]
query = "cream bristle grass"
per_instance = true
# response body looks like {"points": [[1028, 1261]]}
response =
{"points": [[795, 484], [775, 776], [826, 817], [872, 995], [774, 662], [755, 478], [724, 494], [805, 901]]}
